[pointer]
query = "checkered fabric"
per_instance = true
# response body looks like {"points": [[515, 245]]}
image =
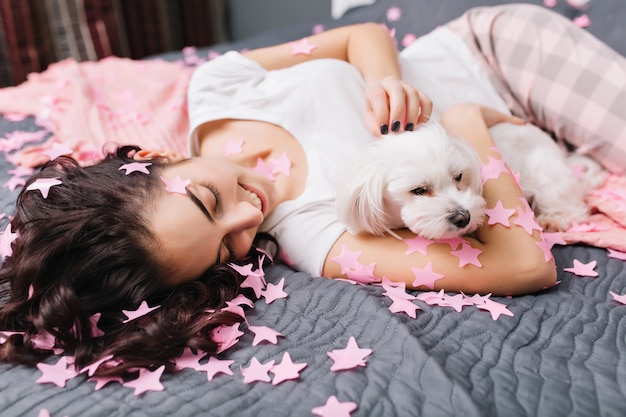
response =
{"points": [[554, 74]]}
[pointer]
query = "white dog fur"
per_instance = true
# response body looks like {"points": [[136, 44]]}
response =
{"points": [[431, 183]]}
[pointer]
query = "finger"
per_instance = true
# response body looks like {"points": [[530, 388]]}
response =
{"points": [[371, 123], [516, 120], [397, 103], [426, 108], [412, 108], [379, 106]]}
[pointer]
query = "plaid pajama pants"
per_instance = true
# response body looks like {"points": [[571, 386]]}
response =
{"points": [[553, 74]]}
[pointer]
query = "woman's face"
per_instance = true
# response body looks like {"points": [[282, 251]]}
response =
{"points": [[216, 219]]}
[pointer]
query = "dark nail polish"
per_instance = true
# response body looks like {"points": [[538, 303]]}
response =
{"points": [[395, 126], [384, 129], [409, 127]]}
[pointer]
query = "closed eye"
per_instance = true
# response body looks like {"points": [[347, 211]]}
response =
{"points": [[420, 190], [459, 177]]}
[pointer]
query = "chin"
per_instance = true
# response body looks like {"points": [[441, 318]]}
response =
{"points": [[430, 182]]}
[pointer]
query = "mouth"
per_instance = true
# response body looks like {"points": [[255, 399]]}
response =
{"points": [[256, 198]]}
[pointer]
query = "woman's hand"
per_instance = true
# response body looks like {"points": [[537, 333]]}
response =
{"points": [[395, 106], [489, 115]]}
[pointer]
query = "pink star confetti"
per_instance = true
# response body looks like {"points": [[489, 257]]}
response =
{"points": [[136, 167], [44, 185], [264, 169], [264, 333], [226, 336], [147, 381], [6, 241], [408, 39], [256, 371], [233, 147], [550, 3], [417, 244], [397, 291], [583, 270], [493, 169], [499, 214], [456, 301], [425, 276], [142, 310], [582, 21], [235, 309], [364, 274], [618, 298], [403, 305], [57, 374], [348, 260], [281, 165], [349, 357], [545, 248], [274, 291], [496, 309], [93, 322], [216, 366], [93, 367], [176, 185], [302, 48], [526, 219], [101, 381], [394, 14], [334, 408], [467, 255], [555, 238], [286, 369], [617, 255], [58, 150], [188, 359]]}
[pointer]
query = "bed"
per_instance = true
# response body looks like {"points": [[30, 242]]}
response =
{"points": [[558, 352]]}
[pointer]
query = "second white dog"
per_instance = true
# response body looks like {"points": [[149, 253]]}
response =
{"points": [[431, 183]]}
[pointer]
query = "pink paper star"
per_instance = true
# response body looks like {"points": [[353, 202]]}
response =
{"points": [[349, 357], [264, 169], [57, 374], [394, 13], [364, 274], [188, 359], [496, 309], [555, 238], [44, 185], [582, 21], [550, 3], [264, 333], [526, 219], [425, 276], [235, 309], [468, 255], [244, 270], [499, 214], [101, 381], [333, 408], [136, 167], [256, 282], [58, 150], [348, 260], [397, 291], [274, 291], [417, 244], [286, 369], [493, 169], [216, 366], [303, 47], [226, 336], [281, 165], [6, 241], [583, 270], [403, 305], [457, 301], [93, 322], [93, 367], [233, 147], [256, 371], [241, 299], [616, 254], [618, 298], [14, 183], [142, 310], [147, 381], [176, 185]]}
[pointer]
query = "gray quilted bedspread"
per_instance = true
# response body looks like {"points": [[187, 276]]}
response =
{"points": [[562, 352]]}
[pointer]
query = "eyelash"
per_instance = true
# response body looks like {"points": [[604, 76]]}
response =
{"points": [[218, 201]]}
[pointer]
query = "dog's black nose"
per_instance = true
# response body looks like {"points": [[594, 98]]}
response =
{"points": [[460, 219]]}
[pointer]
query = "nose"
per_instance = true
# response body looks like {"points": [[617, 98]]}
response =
{"points": [[460, 218], [244, 216]]}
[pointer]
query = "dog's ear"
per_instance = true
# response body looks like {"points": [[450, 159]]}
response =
{"points": [[475, 180], [360, 200]]}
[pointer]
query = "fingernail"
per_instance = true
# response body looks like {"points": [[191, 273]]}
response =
{"points": [[395, 126], [384, 129], [409, 127]]}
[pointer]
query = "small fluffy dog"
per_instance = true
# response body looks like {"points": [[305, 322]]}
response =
{"points": [[431, 183]]}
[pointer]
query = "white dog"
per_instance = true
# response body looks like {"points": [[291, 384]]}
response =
{"points": [[431, 183]]}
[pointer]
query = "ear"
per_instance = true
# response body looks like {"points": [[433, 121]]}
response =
{"points": [[169, 155], [360, 201], [476, 180]]}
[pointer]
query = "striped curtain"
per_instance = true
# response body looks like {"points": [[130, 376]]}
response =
{"points": [[35, 33]]}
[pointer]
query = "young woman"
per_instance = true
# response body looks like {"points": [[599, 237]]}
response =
{"points": [[270, 132]]}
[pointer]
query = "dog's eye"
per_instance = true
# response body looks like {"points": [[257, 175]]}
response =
{"points": [[419, 190], [459, 177]]}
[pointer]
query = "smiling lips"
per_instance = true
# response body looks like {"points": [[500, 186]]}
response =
{"points": [[256, 201]]}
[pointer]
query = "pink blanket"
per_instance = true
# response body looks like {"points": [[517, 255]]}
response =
{"points": [[88, 105], [115, 100]]}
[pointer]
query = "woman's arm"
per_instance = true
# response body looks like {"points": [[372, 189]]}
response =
{"points": [[503, 260], [370, 48]]}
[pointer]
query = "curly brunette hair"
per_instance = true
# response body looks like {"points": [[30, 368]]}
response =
{"points": [[87, 249]]}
